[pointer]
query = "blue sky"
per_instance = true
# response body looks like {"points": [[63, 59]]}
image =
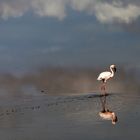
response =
{"points": [[87, 33]]}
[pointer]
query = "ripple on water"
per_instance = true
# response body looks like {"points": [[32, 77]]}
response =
{"points": [[49, 115]]}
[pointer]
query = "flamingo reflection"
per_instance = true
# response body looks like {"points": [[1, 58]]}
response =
{"points": [[106, 114]]}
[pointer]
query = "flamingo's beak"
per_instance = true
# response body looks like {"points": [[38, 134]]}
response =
{"points": [[114, 69]]}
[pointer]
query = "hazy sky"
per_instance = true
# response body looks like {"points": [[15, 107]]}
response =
{"points": [[38, 33]]}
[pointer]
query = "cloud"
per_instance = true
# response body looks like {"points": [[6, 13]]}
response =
{"points": [[55, 8], [16, 8], [13, 8], [106, 11]]}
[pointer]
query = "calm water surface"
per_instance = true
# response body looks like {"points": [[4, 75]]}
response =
{"points": [[69, 117]]}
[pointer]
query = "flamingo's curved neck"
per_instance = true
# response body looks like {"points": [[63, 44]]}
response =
{"points": [[112, 72]]}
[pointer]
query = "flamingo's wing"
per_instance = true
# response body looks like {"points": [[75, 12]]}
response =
{"points": [[104, 75]]}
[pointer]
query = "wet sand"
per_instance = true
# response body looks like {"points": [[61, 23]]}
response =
{"points": [[69, 117]]}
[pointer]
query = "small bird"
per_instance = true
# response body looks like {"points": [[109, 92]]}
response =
{"points": [[104, 76]]}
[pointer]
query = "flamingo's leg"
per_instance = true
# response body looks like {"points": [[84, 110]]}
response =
{"points": [[103, 88]]}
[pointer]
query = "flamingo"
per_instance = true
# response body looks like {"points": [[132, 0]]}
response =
{"points": [[104, 76], [106, 114]]}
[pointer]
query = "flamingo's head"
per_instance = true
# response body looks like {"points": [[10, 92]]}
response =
{"points": [[113, 67]]}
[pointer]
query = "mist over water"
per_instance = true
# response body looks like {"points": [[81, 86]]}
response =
{"points": [[65, 81]]}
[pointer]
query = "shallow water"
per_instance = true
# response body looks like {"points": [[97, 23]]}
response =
{"points": [[69, 117]]}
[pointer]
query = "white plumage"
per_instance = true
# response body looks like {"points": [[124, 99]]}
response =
{"points": [[104, 76]]}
